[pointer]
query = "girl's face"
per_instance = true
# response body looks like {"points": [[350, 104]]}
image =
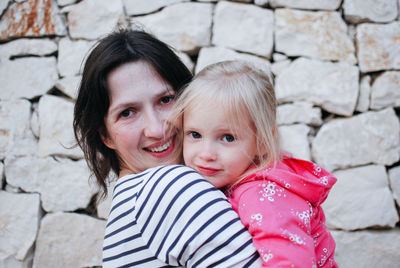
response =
{"points": [[140, 101], [215, 150]]}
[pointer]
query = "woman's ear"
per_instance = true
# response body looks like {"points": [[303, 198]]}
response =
{"points": [[106, 139]]}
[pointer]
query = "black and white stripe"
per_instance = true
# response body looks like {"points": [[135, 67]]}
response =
{"points": [[170, 216]]}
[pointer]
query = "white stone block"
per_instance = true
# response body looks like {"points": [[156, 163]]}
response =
{"points": [[294, 140], [319, 35], [361, 198], [71, 56], [69, 85], [307, 4], [185, 27], [56, 132], [333, 86], [69, 240], [299, 112], [20, 216], [385, 91], [371, 137], [394, 178], [140, 7], [28, 47], [356, 11], [92, 19], [363, 101], [378, 46], [242, 27], [63, 184]]}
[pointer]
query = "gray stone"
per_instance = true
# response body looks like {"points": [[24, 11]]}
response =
{"points": [[38, 76], [1, 173], [299, 112], [334, 86], [31, 18], [321, 35], [104, 205], [363, 190], [69, 85], [140, 7], [378, 46], [294, 140], [71, 56], [367, 249], [306, 4], [16, 138], [394, 179], [91, 19], [56, 133], [363, 101], [20, 216], [186, 26], [356, 11], [210, 55], [385, 91], [279, 66], [371, 137], [65, 2], [69, 240], [3, 5], [252, 27], [60, 189]]}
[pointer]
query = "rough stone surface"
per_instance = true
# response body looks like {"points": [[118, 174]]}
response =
{"points": [[394, 178], [363, 101], [356, 11], [69, 85], [16, 138], [56, 134], [294, 140], [210, 55], [28, 47], [371, 137], [334, 86], [19, 223], [253, 28], [60, 189], [31, 18], [367, 248], [71, 56], [91, 19], [139, 7], [3, 5], [364, 190], [65, 2], [186, 26], [378, 46], [299, 112], [321, 35], [385, 90], [81, 234], [306, 4], [39, 76]]}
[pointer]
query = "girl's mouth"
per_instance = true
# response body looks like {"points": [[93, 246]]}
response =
{"points": [[207, 171]]}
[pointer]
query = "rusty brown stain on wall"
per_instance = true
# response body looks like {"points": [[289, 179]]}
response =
{"points": [[31, 18]]}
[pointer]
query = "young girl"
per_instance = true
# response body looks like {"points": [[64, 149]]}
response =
{"points": [[230, 136]]}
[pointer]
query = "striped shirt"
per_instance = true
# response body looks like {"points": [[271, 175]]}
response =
{"points": [[169, 216]]}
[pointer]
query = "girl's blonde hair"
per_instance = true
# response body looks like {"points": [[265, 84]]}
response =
{"points": [[243, 91]]}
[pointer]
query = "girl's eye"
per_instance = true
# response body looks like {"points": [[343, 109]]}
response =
{"points": [[228, 138], [194, 135], [167, 99], [126, 113]]}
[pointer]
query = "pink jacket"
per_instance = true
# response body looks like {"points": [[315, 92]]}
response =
{"points": [[281, 207]]}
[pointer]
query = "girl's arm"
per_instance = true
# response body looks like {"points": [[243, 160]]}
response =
{"points": [[186, 221], [277, 224]]}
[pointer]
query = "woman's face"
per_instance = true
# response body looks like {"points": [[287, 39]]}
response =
{"points": [[140, 101]]}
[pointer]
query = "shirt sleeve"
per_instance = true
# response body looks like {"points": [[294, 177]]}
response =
{"points": [[187, 222], [277, 222]]}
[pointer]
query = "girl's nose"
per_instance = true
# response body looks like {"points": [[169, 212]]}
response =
{"points": [[207, 152]]}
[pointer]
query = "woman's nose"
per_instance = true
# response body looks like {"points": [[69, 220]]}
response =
{"points": [[153, 125]]}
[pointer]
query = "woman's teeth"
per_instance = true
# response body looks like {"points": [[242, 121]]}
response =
{"points": [[161, 148]]}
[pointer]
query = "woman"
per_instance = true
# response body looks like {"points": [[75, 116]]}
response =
{"points": [[160, 215]]}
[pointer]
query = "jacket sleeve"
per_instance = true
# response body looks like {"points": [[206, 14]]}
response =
{"points": [[187, 222], [276, 220]]}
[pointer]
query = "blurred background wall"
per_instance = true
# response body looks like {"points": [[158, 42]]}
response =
{"points": [[336, 69]]}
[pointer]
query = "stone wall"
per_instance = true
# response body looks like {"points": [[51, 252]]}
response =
{"points": [[337, 75]]}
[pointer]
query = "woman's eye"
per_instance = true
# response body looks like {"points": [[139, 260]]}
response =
{"points": [[228, 138], [126, 113], [167, 99], [195, 135]]}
